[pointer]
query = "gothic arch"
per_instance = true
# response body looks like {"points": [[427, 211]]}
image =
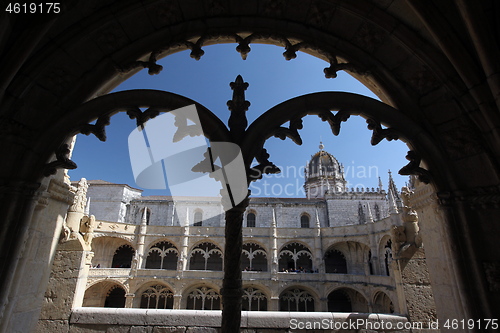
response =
{"points": [[154, 295], [202, 297], [104, 248], [382, 303], [299, 299], [206, 255], [162, 255], [97, 293], [434, 78], [351, 299]]}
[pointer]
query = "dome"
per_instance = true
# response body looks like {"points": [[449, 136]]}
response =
{"points": [[323, 174], [323, 164]]}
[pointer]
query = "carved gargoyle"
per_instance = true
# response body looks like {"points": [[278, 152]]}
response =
{"points": [[406, 239]]}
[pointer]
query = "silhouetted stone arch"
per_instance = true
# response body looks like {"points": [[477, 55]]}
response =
{"points": [[162, 255], [335, 262], [123, 257]]}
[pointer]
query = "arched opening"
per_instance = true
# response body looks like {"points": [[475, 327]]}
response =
{"points": [[253, 258], [295, 257], [157, 297], [339, 301], [115, 298], [335, 262], [198, 219], [254, 299], [382, 303], [205, 256], [251, 220], [162, 255], [347, 300], [296, 299], [203, 298], [123, 257], [304, 221]]}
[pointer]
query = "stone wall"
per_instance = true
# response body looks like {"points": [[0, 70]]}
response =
{"points": [[86, 320]]}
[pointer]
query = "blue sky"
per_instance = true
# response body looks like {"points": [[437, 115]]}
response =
{"points": [[272, 80]]}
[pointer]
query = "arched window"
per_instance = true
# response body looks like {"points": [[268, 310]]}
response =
{"points": [[162, 255], [253, 258], [295, 257], [157, 297], [370, 263], [304, 221], [253, 300], [297, 300], [251, 220], [198, 219], [339, 301], [335, 262], [123, 257], [115, 298], [377, 212], [206, 256], [203, 298]]}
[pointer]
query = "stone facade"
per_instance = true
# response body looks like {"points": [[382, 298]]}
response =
{"points": [[323, 254]]}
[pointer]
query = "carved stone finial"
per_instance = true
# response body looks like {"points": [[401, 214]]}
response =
{"points": [[238, 106], [80, 199]]}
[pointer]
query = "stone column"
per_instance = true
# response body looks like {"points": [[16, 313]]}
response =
{"points": [[232, 290], [33, 218], [444, 269], [129, 300], [177, 301]]}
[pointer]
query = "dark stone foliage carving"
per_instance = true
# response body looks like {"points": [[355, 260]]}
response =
{"points": [[413, 168], [264, 166], [151, 65], [99, 129], [62, 161], [379, 133], [290, 132], [334, 120], [140, 116], [475, 198]]}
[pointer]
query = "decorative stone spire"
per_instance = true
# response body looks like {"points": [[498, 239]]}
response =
{"points": [[395, 192], [238, 106], [393, 209], [321, 146], [369, 214], [144, 220], [318, 225], [380, 185], [87, 208]]}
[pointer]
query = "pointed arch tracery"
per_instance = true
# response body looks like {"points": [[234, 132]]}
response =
{"points": [[206, 256], [254, 299], [296, 299], [157, 296], [295, 257], [162, 255], [203, 298], [254, 257]]}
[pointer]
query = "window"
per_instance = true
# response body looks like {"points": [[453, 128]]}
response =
{"points": [[304, 221], [253, 258], [198, 219], [251, 220], [206, 256], [115, 298], [335, 262], [296, 300], [123, 257], [157, 297], [203, 298], [253, 300], [162, 255], [295, 257]]}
